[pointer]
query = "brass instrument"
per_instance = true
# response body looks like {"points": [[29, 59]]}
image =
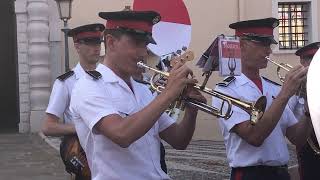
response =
{"points": [[287, 67], [280, 66], [300, 94], [255, 110]]}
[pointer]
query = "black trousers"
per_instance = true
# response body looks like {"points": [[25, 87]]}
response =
{"points": [[260, 173], [309, 163], [162, 158]]}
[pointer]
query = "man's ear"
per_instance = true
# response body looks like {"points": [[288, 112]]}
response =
{"points": [[77, 46], [109, 41], [244, 44]]}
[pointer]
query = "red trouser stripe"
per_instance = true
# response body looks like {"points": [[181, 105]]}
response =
{"points": [[238, 175]]}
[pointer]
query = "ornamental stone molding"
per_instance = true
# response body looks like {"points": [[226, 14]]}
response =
{"points": [[33, 62], [38, 57], [23, 65]]}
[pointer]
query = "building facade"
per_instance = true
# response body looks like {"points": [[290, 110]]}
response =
{"points": [[39, 54]]}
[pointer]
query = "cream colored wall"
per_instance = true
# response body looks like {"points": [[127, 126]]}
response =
{"points": [[253, 9], [209, 19]]}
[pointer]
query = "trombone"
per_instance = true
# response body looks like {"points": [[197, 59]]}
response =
{"points": [[255, 109]]}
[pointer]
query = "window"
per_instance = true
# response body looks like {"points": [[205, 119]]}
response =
{"points": [[294, 24]]}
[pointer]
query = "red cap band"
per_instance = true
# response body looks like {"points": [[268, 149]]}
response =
{"points": [[138, 25], [255, 30], [83, 35]]}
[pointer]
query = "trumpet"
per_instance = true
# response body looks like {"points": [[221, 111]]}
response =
{"points": [[255, 109], [280, 66], [287, 67], [301, 94]]}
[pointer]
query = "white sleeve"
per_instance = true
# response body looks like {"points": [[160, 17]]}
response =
{"points": [[289, 118], [238, 115], [296, 107], [59, 99], [293, 101], [92, 102], [165, 121]]}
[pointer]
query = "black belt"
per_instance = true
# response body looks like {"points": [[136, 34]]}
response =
{"points": [[260, 172], [263, 168]]}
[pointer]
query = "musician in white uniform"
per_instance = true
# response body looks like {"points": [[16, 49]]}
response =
{"points": [[308, 155], [259, 152], [118, 120], [87, 40], [58, 120]]}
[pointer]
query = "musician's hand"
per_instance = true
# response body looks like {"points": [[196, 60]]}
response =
{"points": [[293, 80], [193, 93], [179, 78]]}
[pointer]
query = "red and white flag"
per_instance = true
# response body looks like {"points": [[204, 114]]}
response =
{"points": [[174, 30]]}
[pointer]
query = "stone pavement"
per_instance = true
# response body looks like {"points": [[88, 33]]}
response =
{"points": [[28, 157], [203, 160]]}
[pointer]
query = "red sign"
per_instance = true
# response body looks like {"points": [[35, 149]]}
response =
{"points": [[230, 49]]}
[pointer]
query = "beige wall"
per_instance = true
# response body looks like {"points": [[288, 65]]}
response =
{"points": [[209, 19], [252, 9]]}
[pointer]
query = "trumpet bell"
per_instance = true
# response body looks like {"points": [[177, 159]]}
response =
{"points": [[258, 109]]}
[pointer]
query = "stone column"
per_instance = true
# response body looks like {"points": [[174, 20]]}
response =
{"points": [[38, 57], [23, 66]]}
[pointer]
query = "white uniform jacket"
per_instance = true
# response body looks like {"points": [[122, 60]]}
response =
{"points": [[61, 93], [94, 98], [273, 151]]}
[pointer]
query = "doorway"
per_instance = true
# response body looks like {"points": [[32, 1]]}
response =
{"points": [[9, 98]]}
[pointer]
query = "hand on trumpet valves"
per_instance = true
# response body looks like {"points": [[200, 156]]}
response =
{"points": [[179, 79], [193, 93], [293, 80]]}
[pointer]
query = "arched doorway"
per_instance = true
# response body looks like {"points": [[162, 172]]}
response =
{"points": [[9, 99]]}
